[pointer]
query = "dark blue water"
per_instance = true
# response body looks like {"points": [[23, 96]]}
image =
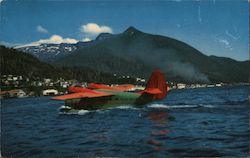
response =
{"points": [[208, 122]]}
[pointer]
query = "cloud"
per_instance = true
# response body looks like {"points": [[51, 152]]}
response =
{"points": [[1, 1], [41, 29], [8, 44], [235, 37], [225, 43], [86, 39], [57, 40], [54, 39], [94, 29]]}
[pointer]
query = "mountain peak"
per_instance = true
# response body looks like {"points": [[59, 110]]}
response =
{"points": [[131, 30], [103, 36]]}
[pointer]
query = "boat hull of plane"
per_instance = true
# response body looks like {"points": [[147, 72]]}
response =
{"points": [[107, 102]]}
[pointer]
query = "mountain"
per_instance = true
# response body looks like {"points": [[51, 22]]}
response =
{"points": [[19, 63], [103, 36], [136, 53], [50, 52], [14, 62]]}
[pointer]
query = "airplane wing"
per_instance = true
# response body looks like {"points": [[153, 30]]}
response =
{"points": [[121, 88], [82, 95], [124, 87], [99, 86]]}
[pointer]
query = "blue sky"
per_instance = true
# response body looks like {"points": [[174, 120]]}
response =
{"points": [[215, 27]]}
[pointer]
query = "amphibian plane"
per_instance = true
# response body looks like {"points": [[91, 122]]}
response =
{"points": [[99, 96]]}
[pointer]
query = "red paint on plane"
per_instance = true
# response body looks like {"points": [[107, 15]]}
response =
{"points": [[157, 80]]}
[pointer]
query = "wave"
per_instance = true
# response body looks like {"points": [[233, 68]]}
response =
{"points": [[69, 111], [83, 112], [64, 107], [76, 112], [177, 106], [125, 107]]}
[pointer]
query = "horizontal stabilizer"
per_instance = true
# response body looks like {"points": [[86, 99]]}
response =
{"points": [[81, 95], [152, 91]]}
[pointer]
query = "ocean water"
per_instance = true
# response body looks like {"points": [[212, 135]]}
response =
{"points": [[206, 122]]}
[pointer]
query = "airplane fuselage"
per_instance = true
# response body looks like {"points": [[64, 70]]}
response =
{"points": [[120, 98]]}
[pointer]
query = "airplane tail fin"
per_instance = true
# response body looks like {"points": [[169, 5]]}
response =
{"points": [[157, 81]]}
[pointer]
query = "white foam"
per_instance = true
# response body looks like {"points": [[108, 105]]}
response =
{"points": [[183, 106], [75, 112], [83, 112], [65, 107], [177, 106], [72, 111], [158, 106], [125, 107], [101, 111], [68, 113], [207, 106]]}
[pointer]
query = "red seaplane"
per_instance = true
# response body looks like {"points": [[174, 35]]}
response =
{"points": [[100, 96]]}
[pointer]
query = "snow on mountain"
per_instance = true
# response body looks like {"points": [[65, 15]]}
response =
{"points": [[48, 52]]}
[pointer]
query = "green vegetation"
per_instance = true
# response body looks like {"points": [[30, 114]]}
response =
{"points": [[26, 65]]}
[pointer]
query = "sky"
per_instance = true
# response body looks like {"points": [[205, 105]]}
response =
{"points": [[214, 27]]}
